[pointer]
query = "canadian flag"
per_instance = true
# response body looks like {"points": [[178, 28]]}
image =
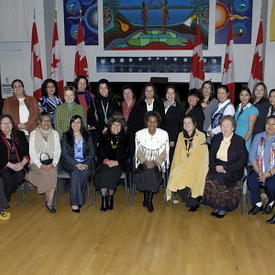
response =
{"points": [[228, 68], [36, 69], [256, 74], [56, 64], [80, 62], [197, 71]]}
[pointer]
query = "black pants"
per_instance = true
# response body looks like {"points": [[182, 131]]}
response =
{"points": [[3, 201], [12, 179], [186, 196]]}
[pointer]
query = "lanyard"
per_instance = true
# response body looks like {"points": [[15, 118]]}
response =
{"points": [[105, 111]]}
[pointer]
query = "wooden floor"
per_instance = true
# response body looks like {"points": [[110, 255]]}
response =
{"points": [[129, 240]]}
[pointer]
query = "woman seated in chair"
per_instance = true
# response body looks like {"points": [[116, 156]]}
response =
{"points": [[185, 175], [4, 205], [113, 156], [45, 154], [227, 158], [14, 155], [262, 157], [76, 158], [151, 157]]}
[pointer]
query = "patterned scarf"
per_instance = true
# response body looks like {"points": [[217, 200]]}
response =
{"points": [[261, 151]]}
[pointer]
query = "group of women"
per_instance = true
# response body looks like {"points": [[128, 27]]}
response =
{"points": [[142, 136]]}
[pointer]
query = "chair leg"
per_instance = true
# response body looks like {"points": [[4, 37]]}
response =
{"points": [[88, 194], [126, 190]]}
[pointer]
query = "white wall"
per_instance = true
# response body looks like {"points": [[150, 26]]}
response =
{"points": [[15, 56]]}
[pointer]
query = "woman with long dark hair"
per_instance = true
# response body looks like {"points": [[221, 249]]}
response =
{"points": [[209, 103], [77, 156], [173, 116], [246, 116], [271, 110], [14, 155], [261, 102], [148, 102], [50, 99]]}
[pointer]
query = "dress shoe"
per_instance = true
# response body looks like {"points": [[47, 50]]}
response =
{"points": [[76, 210], [219, 216], [194, 208], [272, 220], [268, 209], [104, 201], [214, 212], [51, 209], [255, 209]]}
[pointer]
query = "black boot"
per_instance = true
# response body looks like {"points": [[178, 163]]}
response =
{"points": [[146, 197], [104, 200], [110, 204], [150, 202]]}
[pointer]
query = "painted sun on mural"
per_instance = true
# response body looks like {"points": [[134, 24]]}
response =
{"points": [[154, 24]]}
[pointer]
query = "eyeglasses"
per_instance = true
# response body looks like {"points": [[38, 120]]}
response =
{"points": [[6, 123]]}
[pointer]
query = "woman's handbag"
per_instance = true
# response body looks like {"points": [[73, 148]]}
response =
{"points": [[45, 159]]}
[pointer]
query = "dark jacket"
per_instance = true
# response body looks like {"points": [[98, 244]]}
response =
{"points": [[21, 148], [198, 114], [67, 153], [120, 153], [173, 121], [95, 115], [136, 118], [262, 106], [237, 158]]}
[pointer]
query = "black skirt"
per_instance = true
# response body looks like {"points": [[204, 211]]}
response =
{"points": [[106, 177], [147, 179]]}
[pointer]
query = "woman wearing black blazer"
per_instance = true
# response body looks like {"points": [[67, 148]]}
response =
{"points": [[76, 159], [194, 108], [102, 108], [261, 102], [173, 117], [148, 102], [227, 158]]}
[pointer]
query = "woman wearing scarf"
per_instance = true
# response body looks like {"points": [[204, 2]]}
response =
{"points": [[83, 95], [45, 154], [262, 157], [185, 177], [246, 116]]}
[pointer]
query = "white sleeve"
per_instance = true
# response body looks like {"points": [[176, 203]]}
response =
{"points": [[33, 154], [167, 151], [57, 149]]}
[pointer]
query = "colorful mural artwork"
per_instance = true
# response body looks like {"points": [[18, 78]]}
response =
{"points": [[154, 24], [72, 10], [240, 12], [157, 64]]}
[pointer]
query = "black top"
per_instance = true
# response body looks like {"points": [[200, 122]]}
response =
{"points": [[262, 106], [136, 118], [197, 113], [237, 157], [114, 147], [20, 149], [173, 121], [98, 108], [67, 153]]}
